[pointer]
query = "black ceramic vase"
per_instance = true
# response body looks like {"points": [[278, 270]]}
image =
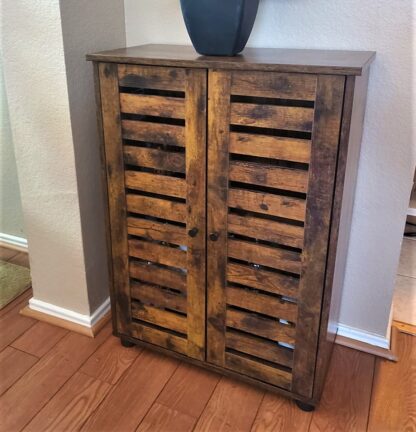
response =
{"points": [[219, 27]]}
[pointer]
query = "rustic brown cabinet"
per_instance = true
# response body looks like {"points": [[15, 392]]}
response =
{"points": [[230, 184]]}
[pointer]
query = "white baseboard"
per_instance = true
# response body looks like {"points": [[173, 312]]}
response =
{"points": [[363, 336], [14, 242], [88, 321], [411, 211]]}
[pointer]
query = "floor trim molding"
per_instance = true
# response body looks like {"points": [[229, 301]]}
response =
{"points": [[88, 325], [13, 242]]}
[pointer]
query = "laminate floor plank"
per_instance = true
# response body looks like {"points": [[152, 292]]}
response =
{"points": [[21, 258], [110, 361], [13, 325], [233, 407], [21, 300], [393, 402], [6, 253], [13, 364], [346, 397], [130, 400], [163, 419], [71, 406], [280, 414], [39, 339], [35, 388]]}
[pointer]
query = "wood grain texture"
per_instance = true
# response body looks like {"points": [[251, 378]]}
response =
{"points": [[22, 401], [157, 253], [274, 85], [7, 253], [164, 419], [265, 59], [346, 397], [156, 207], [232, 407], [195, 137], [71, 406], [290, 149], [154, 158], [393, 401], [110, 361], [325, 141], [159, 106], [127, 404], [13, 364], [114, 163], [219, 83], [153, 230], [39, 339], [278, 414]]}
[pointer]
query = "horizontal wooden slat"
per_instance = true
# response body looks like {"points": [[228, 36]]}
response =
{"points": [[156, 133], [264, 229], [266, 203], [159, 337], [270, 176], [158, 297], [274, 85], [265, 255], [261, 348], [254, 324], [159, 106], [154, 158], [159, 317], [157, 253], [272, 116], [263, 372], [289, 149], [261, 303], [148, 77], [262, 279], [156, 183], [158, 275], [156, 207], [153, 230]]}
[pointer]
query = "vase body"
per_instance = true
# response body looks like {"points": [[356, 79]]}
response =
{"points": [[219, 27]]}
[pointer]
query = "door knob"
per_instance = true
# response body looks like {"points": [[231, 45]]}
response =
{"points": [[214, 236], [193, 232]]}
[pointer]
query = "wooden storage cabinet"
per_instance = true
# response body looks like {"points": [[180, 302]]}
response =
{"points": [[229, 189]]}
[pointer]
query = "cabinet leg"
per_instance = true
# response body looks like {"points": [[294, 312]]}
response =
{"points": [[126, 343], [304, 406]]}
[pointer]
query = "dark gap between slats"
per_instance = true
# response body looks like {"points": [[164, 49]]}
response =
{"points": [[154, 171], [262, 316], [154, 195], [282, 298], [268, 161], [258, 360], [153, 119], [155, 146], [242, 212], [176, 269], [159, 242], [272, 132], [272, 101], [266, 189], [156, 219], [260, 338], [262, 267], [263, 242], [163, 329], [152, 92], [162, 287]]}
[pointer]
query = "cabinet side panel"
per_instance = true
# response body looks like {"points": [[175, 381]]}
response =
{"points": [[114, 164], [325, 139], [348, 158]]}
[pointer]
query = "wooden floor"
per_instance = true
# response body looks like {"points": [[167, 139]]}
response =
{"points": [[55, 380]]}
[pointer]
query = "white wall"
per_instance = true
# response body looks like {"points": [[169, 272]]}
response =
{"points": [[388, 151], [49, 84]]}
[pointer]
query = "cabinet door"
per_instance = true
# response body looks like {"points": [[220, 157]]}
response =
{"points": [[272, 151], [154, 122]]}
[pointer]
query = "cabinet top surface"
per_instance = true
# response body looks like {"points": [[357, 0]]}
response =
{"points": [[267, 59]]}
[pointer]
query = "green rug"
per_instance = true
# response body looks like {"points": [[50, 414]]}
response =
{"points": [[14, 279]]}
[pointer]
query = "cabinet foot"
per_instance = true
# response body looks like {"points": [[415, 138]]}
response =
{"points": [[304, 406], [126, 343]]}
